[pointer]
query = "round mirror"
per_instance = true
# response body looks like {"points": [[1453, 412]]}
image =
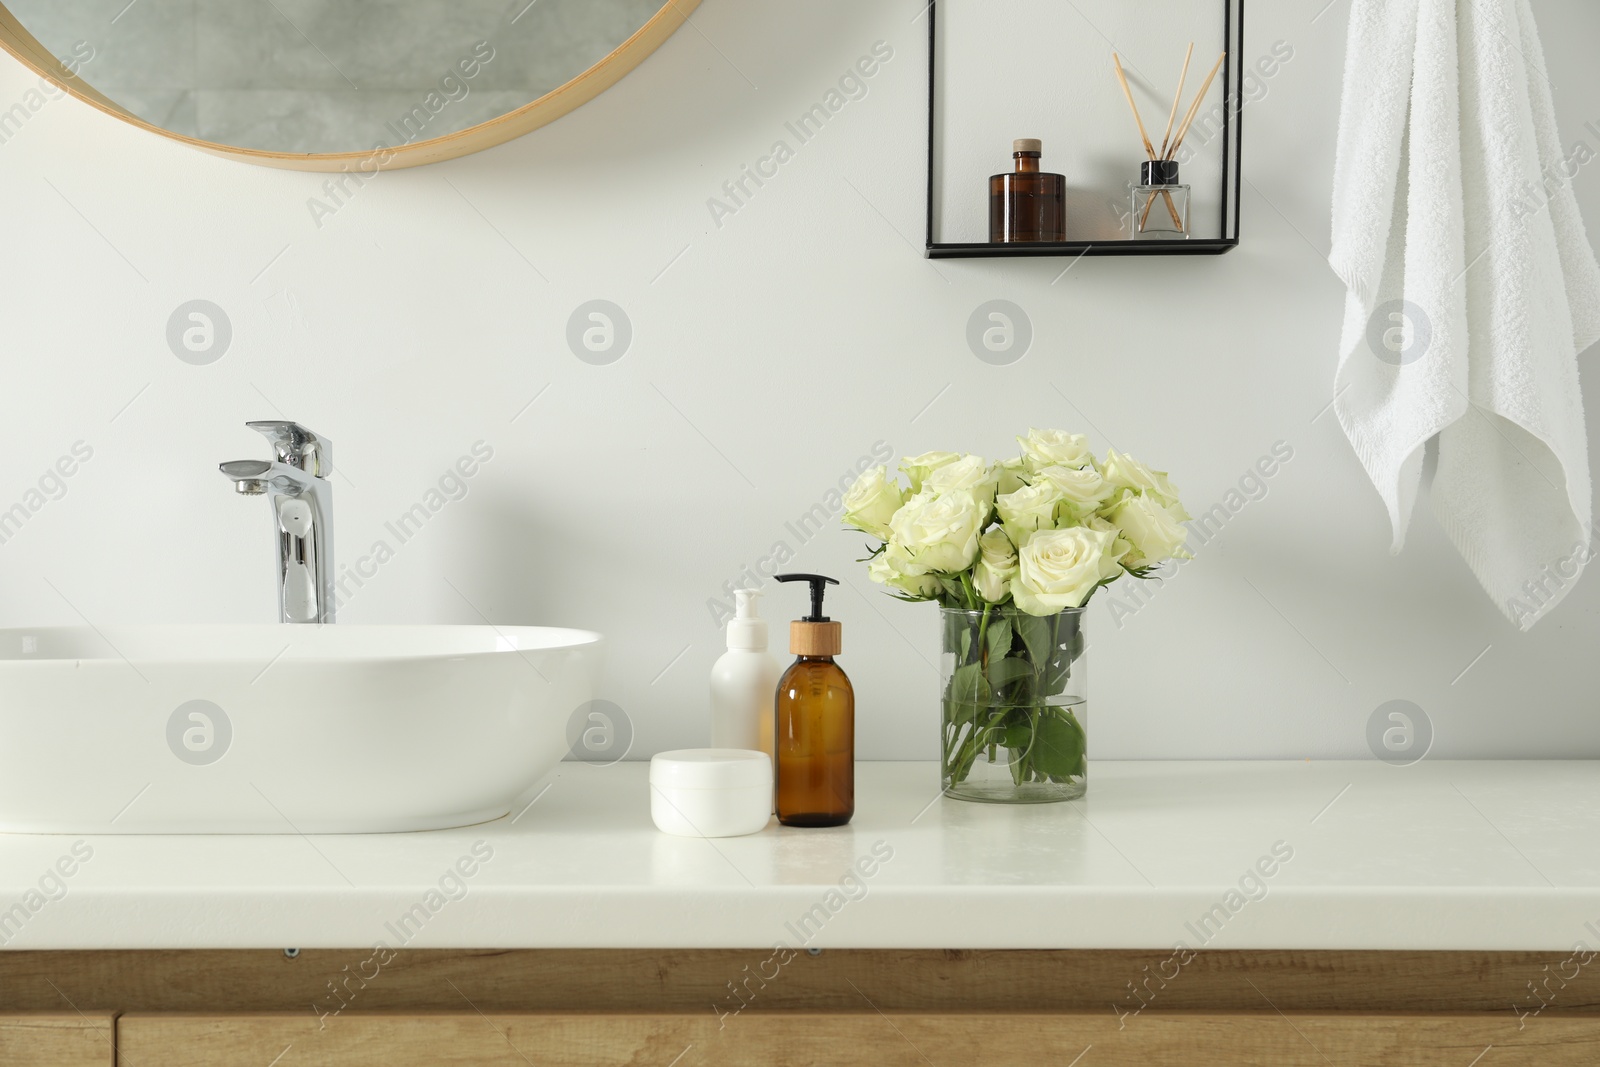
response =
{"points": [[327, 84]]}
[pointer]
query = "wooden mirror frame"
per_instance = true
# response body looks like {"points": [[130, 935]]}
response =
{"points": [[530, 116]]}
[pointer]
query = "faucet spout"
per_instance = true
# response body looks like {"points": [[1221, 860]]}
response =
{"points": [[245, 474], [295, 483]]}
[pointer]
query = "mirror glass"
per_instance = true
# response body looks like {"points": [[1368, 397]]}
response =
{"points": [[327, 75]]}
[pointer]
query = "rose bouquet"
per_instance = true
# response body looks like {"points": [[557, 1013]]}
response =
{"points": [[1012, 551]]}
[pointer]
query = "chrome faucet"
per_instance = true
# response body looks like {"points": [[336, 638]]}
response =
{"points": [[296, 484]]}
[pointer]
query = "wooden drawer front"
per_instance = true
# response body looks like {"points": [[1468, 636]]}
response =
{"points": [[1178, 1039], [57, 1040]]}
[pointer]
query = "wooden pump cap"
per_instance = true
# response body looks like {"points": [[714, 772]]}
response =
{"points": [[815, 638]]}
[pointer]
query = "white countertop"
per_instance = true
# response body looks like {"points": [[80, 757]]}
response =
{"points": [[1439, 855]]}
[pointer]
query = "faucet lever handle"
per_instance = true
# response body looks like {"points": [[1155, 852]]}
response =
{"points": [[297, 446]]}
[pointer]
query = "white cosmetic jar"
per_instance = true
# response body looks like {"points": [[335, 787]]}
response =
{"points": [[710, 792]]}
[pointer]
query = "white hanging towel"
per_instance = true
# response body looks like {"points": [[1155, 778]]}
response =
{"points": [[1472, 288]]}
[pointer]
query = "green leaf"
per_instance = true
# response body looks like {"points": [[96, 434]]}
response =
{"points": [[1059, 745], [1069, 636], [967, 685], [997, 639], [1018, 736], [1035, 633], [957, 714], [1053, 679], [1064, 633], [1003, 672], [952, 625], [873, 553]]}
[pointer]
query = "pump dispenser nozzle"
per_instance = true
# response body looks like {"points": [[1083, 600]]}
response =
{"points": [[747, 629], [814, 634], [819, 586]]}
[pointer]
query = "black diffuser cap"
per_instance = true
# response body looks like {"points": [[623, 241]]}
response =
{"points": [[819, 586], [1159, 172]]}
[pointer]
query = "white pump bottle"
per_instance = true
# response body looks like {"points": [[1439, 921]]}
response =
{"points": [[744, 682]]}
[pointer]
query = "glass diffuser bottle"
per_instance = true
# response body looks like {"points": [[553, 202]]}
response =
{"points": [[1027, 204], [1160, 205]]}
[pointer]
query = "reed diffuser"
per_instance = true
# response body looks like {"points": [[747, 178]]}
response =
{"points": [[1158, 174]]}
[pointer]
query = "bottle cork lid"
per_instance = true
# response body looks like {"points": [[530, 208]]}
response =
{"points": [[815, 638], [1027, 144]]}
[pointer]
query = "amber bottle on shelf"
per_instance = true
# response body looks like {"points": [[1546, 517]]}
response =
{"points": [[1027, 204], [815, 722]]}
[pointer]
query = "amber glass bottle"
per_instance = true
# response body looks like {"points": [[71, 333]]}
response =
{"points": [[1027, 204], [815, 725]]}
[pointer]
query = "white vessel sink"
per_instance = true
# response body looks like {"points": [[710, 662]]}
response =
{"points": [[281, 729]]}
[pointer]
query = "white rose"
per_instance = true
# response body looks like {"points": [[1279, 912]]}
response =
{"points": [[918, 468], [1011, 473], [1167, 493], [937, 533], [1082, 490], [1150, 528], [1120, 547], [1053, 448], [997, 564], [1058, 569], [872, 502], [1033, 507], [971, 473], [881, 571], [1125, 472]]}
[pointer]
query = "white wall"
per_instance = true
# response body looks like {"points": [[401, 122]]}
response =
{"points": [[769, 354]]}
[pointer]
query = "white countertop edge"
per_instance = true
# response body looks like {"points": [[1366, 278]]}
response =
{"points": [[1493, 856], [1288, 918]]}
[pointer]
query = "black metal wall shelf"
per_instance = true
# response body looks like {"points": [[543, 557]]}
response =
{"points": [[1232, 162]]}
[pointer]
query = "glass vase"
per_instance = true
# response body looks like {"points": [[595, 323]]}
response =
{"points": [[1015, 702]]}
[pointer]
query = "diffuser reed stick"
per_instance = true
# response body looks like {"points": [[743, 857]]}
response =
{"points": [[1166, 138], [1170, 144], [1149, 148], [1116, 61], [1194, 109]]}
